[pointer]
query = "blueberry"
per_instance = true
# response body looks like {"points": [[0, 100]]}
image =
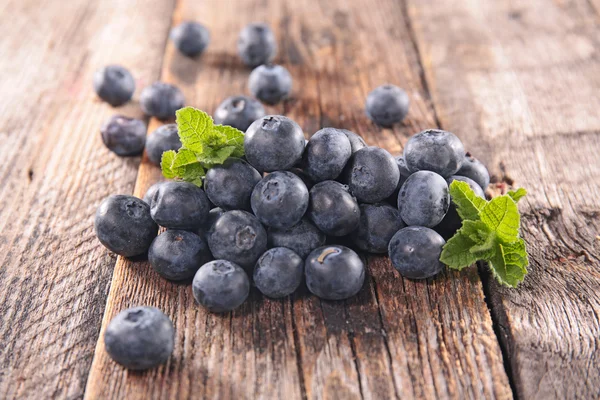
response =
{"points": [[164, 138], [179, 205], [326, 154], [124, 226], [151, 192], [299, 172], [333, 209], [256, 45], [190, 38], [237, 236], [415, 252], [378, 223], [424, 199], [220, 286], [140, 338], [239, 112], [302, 238], [404, 174], [124, 136], [474, 169], [278, 272], [161, 100], [280, 199], [114, 84], [387, 105], [334, 272], [434, 150], [270, 83], [274, 143], [176, 255], [356, 142], [213, 215], [230, 184], [372, 174], [452, 221]]}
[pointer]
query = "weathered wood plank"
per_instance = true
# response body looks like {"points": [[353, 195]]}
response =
{"points": [[519, 83], [396, 339], [54, 275]]}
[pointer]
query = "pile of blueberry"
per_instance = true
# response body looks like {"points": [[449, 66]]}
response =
{"points": [[290, 210]]}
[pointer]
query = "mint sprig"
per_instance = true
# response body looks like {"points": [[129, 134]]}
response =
{"points": [[204, 145], [489, 232]]}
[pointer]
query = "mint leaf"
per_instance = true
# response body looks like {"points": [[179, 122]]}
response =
{"points": [[194, 173], [501, 215], [517, 195], [183, 158], [468, 204], [166, 162], [457, 253], [509, 263], [233, 137], [195, 128], [218, 156]]}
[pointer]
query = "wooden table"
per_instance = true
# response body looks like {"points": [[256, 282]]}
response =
{"points": [[519, 82]]}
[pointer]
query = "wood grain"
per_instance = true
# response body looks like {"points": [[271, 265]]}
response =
{"points": [[396, 339], [518, 81], [54, 275]]}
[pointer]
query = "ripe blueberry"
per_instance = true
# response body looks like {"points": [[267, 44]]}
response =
{"points": [[164, 138], [474, 169], [140, 338], [220, 286], [302, 238], [372, 174], [161, 100], [176, 255], [415, 252], [326, 154], [179, 205], [190, 38], [387, 105], [378, 223], [256, 45], [278, 272], [334, 272], [124, 136], [434, 150], [124, 226], [333, 209], [230, 184], [270, 83], [424, 199], [239, 112], [114, 84]]}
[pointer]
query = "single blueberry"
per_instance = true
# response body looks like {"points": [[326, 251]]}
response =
{"points": [[274, 143], [302, 238], [280, 199], [239, 112], [334, 272], [161, 100], [190, 38], [124, 136], [114, 84], [239, 237], [164, 138], [270, 83], [378, 223], [424, 199], [326, 154], [372, 174], [220, 286], [474, 169], [387, 105], [176, 255], [230, 184], [278, 272], [179, 205], [124, 226], [356, 141], [333, 209], [434, 150], [140, 338], [415, 252], [256, 45]]}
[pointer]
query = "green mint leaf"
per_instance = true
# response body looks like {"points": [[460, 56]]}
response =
{"points": [[216, 156], [517, 195], [195, 128], [509, 263], [194, 173], [501, 215], [233, 137], [166, 162], [468, 204], [183, 158], [457, 253]]}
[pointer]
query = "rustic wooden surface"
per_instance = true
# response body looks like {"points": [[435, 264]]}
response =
{"points": [[517, 82]]}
